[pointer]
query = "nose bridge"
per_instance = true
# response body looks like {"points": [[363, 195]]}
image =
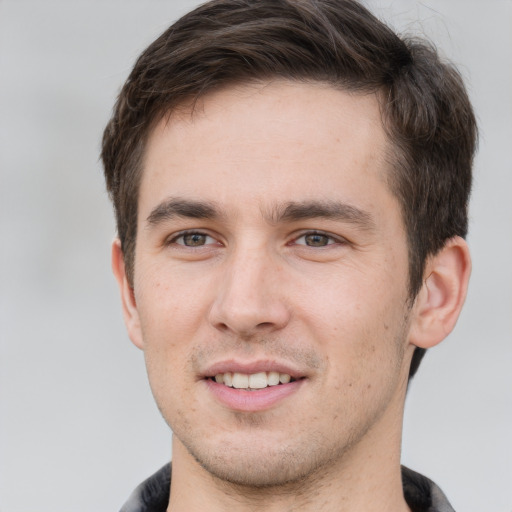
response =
{"points": [[248, 298]]}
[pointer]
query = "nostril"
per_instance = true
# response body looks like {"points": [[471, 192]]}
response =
{"points": [[264, 325], [248, 314]]}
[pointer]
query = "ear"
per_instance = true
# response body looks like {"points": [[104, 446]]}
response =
{"points": [[440, 300], [130, 312]]}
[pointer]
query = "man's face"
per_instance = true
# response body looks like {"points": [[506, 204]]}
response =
{"points": [[270, 244]]}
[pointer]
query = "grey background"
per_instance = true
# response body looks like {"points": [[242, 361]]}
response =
{"points": [[78, 427]]}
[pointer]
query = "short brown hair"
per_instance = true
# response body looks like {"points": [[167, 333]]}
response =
{"points": [[425, 107]]}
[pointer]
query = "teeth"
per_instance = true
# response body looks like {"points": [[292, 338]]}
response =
{"points": [[284, 378], [228, 379], [258, 380], [254, 381], [240, 381], [273, 378]]}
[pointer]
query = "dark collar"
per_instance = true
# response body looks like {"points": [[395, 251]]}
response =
{"points": [[421, 494]]}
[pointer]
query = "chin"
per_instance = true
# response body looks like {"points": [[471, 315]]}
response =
{"points": [[263, 472], [252, 465]]}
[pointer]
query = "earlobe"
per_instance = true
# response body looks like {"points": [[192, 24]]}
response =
{"points": [[130, 312], [440, 300]]}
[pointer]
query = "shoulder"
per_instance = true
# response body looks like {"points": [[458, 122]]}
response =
{"points": [[422, 494], [152, 494]]}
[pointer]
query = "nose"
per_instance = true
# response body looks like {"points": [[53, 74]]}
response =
{"points": [[250, 299]]}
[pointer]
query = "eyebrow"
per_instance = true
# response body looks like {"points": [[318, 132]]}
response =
{"points": [[286, 213], [295, 211], [178, 207]]}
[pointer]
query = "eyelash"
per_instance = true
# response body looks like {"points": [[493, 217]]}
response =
{"points": [[174, 239], [330, 239]]}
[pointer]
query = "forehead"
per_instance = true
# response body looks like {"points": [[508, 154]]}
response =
{"points": [[278, 141]]}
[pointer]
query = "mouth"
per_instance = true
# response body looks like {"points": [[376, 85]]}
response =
{"points": [[252, 387], [253, 381]]}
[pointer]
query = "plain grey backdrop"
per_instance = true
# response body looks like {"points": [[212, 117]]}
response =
{"points": [[78, 427]]}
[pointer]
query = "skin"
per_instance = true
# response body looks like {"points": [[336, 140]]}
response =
{"points": [[321, 288]]}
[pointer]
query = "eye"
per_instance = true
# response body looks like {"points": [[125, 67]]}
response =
{"points": [[192, 239], [316, 239]]}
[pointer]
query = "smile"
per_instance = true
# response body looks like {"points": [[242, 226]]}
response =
{"points": [[253, 381], [250, 387]]}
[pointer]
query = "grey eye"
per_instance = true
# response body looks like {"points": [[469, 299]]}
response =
{"points": [[194, 239], [316, 240]]}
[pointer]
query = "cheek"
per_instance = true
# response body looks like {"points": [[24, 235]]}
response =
{"points": [[170, 313], [359, 322], [165, 330], [351, 299], [171, 302]]}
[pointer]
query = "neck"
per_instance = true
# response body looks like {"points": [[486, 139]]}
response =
{"points": [[367, 478]]}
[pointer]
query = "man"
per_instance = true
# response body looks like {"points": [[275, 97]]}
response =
{"points": [[290, 181]]}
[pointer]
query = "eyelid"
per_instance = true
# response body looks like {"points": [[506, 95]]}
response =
{"points": [[336, 239], [333, 239], [172, 239]]}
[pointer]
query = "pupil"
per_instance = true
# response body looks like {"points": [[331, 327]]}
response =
{"points": [[316, 240], [194, 239]]}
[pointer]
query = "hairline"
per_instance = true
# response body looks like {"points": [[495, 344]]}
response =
{"points": [[393, 156]]}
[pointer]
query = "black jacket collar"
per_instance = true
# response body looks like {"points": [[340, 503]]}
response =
{"points": [[421, 494]]}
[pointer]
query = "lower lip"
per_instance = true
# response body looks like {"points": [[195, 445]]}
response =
{"points": [[252, 401]]}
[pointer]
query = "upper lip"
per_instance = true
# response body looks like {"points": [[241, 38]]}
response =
{"points": [[250, 367]]}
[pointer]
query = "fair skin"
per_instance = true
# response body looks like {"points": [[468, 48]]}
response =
{"points": [[268, 240]]}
